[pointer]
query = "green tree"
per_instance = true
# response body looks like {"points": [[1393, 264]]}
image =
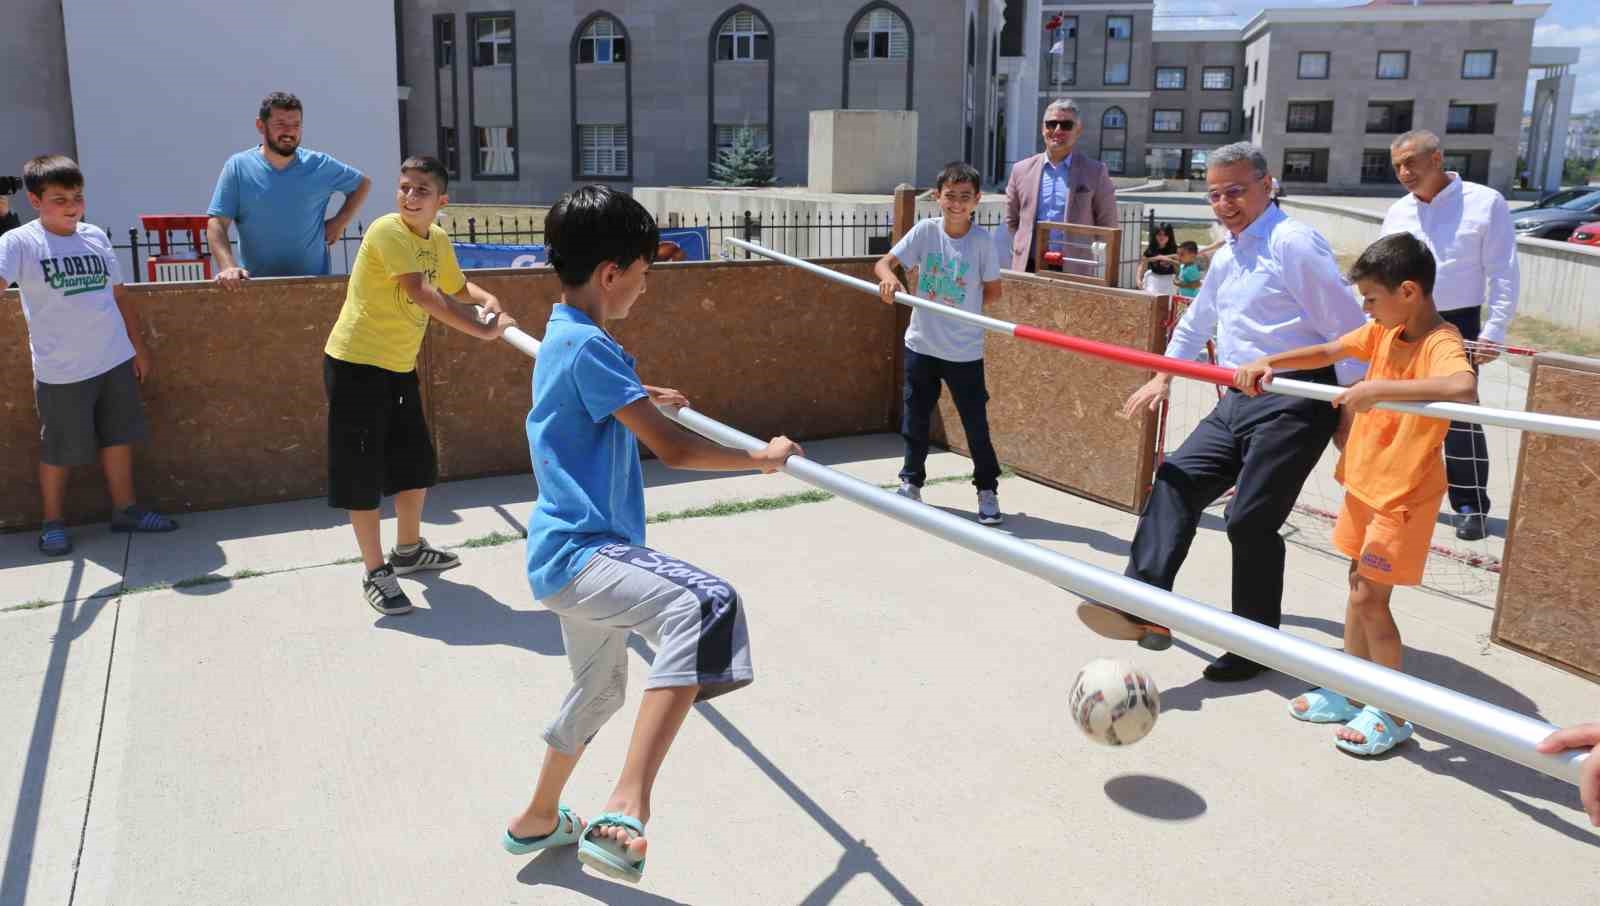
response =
{"points": [[1578, 170], [744, 164]]}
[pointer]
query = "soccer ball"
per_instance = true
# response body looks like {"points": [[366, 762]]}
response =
{"points": [[1114, 703]]}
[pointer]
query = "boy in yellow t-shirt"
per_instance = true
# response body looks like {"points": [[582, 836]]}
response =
{"points": [[1392, 468], [378, 441]]}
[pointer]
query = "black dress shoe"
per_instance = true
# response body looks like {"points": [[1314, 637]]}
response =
{"points": [[1471, 526], [1231, 668]]}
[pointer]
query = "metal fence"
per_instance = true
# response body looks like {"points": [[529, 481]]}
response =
{"points": [[809, 234]]}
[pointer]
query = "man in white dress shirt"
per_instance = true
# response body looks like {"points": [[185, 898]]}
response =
{"points": [[1468, 229], [1274, 286]]}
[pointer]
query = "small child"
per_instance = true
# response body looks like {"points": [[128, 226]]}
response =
{"points": [[89, 354], [1392, 467], [956, 264], [587, 562], [1189, 273], [378, 440]]}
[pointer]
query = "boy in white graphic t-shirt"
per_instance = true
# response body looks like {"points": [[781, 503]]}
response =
{"points": [[956, 264], [88, 349]]}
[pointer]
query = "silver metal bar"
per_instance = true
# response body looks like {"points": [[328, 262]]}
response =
{"points": [[1538, 422], [1487, 726]]}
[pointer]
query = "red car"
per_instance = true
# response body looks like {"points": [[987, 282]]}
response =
{"points": [[1588, 234]]}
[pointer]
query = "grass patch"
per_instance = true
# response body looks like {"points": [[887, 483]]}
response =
{"points": [[153, 586], [1547, 337], [345, 561], [248, 574], [35, 604], [734, 507], [493, 539]]}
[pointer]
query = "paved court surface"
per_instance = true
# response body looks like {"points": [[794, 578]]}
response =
{"points": [[266, 739]]}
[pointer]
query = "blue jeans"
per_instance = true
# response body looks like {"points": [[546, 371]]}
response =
{"points": [[971, 396]]}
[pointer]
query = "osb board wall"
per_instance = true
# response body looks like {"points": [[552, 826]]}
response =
{"points": [[763, 347], [1053, 413], [238, 414], [1547, 606]]}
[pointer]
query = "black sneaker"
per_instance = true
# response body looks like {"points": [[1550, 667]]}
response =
{"points": [[1471, 525], [383, 592], [426, 556]]}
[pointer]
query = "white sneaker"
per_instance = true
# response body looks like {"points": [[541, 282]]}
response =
{"points": [[907, 489], [989, 508]]}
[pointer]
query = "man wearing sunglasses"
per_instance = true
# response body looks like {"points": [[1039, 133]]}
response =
{"points": [[1273, 287], [1058, 185]]}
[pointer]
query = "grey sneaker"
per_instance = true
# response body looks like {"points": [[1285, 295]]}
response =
{"points": [[426, 556], [382, 590], [907, 489], [989, 508]]}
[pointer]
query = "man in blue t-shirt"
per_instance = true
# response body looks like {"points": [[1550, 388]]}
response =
{"points": [[277, 193]]}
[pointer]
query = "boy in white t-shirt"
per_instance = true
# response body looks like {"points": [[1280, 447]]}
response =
{"points": [[956, 264], [89, 355]]}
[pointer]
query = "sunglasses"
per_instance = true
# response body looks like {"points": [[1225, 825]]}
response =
{"points": [[1064, 125], [1232, 193]]}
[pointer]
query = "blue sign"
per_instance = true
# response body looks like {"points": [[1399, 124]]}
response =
{"points": [[694, 242]]}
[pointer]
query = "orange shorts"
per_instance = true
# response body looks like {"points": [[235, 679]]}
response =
{"points": [[1389, 546]]}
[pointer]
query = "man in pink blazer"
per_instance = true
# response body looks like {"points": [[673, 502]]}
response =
{"points": [[1058, 186]]}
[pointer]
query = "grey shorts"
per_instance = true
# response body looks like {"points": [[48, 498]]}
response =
{"points": [[77, 420], [694, 620]]}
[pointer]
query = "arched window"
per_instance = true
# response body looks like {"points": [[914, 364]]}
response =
{"points": [[603, 42], [602, 100], [879, 51], [744, 36], [1114, 139], [740, 85]]}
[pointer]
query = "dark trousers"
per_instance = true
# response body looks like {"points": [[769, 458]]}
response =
{"points": [[971, 396], [1466, 454], [1263, 447]]}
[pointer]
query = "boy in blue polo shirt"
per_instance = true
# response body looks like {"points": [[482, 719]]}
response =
{"points": [[587, 562]]}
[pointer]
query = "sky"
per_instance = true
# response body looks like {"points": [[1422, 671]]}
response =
{"points": [[1568, 23]]}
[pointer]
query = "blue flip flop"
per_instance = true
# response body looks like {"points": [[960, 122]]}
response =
{"points": [[1324, 706], [1367, 723], [565, 834], [606, 857], [54, 540]]}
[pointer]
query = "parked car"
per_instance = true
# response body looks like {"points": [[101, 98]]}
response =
{"points": [[1557, 222], [1560, 198], [1588, 234]]}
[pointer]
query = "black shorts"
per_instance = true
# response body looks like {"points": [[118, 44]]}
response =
{"points": [[78, 420], [378, 440]]}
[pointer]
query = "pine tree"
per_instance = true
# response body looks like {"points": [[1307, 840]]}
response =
{"points": [[745, 164]]}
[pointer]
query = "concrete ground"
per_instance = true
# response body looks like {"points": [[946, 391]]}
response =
{"points": [[262, 737]]}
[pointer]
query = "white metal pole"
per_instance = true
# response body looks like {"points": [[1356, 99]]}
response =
{"points": [[1487, 726], [1538, 422]]}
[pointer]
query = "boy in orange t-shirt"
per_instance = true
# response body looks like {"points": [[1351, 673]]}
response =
{"points": [[1392, 468]]}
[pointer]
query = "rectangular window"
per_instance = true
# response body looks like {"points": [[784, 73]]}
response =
{"points": [[880, 35], [1255, 71], [491, 98], [1216, 78], [1308, 165], [1167, 121], [1171, 77], [1312, 116], [493, 45], [1376, 168], [1215, 122], [445, 92], [1478, 64], [603, 150], [497, 151], [727, 135], [1313, 64], [1119, 50], [602, 42], [1389, 117], [743, 37], [1112, 158], [1470, 119], [1062, 59], [1394, 64]]}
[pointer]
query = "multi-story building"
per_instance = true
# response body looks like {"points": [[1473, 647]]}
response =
{"points": [[1323, 90], [523, 98]]}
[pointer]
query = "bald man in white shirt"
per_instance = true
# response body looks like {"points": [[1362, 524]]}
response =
{"points": [[1468, 228]]}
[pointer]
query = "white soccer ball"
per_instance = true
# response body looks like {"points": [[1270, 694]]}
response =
{"points": [[1114, 703]]}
